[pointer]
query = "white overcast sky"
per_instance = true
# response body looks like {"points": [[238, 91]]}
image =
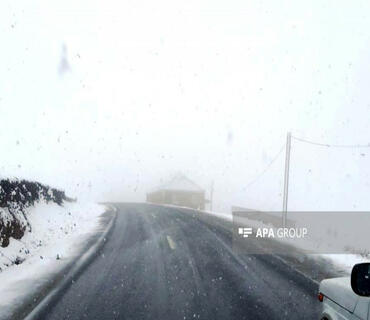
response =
{"points": [[206, 88]]}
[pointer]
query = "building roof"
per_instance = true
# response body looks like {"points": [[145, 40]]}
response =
{"points": [[180, 183]]}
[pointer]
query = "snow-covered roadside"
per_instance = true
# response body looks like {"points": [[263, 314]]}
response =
{"points": [[57, 232], [225, 216], [344, 262]]}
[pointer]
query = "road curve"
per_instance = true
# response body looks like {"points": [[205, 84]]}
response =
{"points": [[166, 263]]}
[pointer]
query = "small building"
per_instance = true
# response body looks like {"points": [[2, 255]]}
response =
{"points": [[179, 191]]}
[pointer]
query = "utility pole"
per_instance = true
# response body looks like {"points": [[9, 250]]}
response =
{"points": [[211, 196], [286, 178]]}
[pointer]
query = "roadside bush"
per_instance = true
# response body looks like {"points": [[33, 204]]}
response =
{"points": [[15, 197]]}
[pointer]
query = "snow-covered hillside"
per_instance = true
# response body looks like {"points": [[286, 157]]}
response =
{"points": [[53, 237], [54, 228]]}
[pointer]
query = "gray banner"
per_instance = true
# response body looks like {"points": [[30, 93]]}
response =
{"points": [[257, 232]]}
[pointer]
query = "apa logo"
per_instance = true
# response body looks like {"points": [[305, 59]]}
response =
{"points": [[245, 232]]}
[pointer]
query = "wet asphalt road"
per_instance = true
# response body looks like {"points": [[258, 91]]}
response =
{"points": [[166, 263]]}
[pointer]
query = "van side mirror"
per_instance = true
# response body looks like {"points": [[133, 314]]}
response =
{"points": [[360, 279]]}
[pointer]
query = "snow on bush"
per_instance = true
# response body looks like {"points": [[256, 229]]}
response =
{"points": [[16, 196], [34, 216]]}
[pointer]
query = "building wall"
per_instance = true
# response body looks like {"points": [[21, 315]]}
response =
{"points": [[195, 200], [156, 197]]}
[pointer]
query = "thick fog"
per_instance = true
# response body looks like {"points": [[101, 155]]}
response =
{"points": [[107, 99]]}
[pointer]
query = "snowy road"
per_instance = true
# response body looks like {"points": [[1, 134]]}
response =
{"points": [[163, 263]]}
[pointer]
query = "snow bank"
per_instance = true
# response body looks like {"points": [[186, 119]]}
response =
{"points": [[52, 226], [225, 216], [54, 241]]}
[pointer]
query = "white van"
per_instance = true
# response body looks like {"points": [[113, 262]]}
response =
{"points": [[348, 297]]}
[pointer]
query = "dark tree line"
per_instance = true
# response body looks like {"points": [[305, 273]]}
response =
{"points": [[26, 193]]}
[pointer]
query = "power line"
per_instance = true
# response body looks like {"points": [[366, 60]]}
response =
{"points": [[266, 169], [349, 146]]}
